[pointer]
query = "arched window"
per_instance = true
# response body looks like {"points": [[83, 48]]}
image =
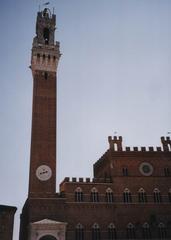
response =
{"points": [[78, 195], [94, 195], [48, 237], [130, 231], [79, 232], [157, 196], [112, 232], [95, 232], [162, 231], [46, 35], [142, 196], [146, 231], [109, 195], [127, 196]]}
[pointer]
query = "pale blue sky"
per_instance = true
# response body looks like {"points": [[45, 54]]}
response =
{"points": [[114, 75]]}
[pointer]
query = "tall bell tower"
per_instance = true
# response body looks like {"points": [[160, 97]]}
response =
{"points": [[44, 62]]}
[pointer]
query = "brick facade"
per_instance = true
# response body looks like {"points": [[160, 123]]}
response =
{"points": [[130, 194]]}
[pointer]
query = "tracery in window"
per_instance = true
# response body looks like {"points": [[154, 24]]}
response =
{"points": [[94, 195], [112, 234], [146, 231], [78, 195], [142, 196], [79, 232], [95, 232], [109, 195], [157, 196], [130, 231], [127, 196], [162, 231]]}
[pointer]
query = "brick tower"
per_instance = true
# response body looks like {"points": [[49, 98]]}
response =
{"points": [[44, 62]]}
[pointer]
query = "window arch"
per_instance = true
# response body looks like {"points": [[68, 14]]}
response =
{"points": [[162, 231], [146, 231], [94, 195], [157, 196], [109, 195], [112, 232], [130, 231], [46, 34], [142, 196], [95, 232], [127, 196], [79, 232], [48, 237], [78, 195]]}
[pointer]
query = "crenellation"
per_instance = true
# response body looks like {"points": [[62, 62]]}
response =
{"points": [[115, 144], [135, 149], [81, 179], [74, 179], [151, 149], [86, 180], [143, 149], [67, 179], [158, 149]]}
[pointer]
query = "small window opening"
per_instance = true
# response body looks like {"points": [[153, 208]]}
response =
{"points": [[46, 75], [44, 57], [166, 172], [125, 171], [46, 35]]}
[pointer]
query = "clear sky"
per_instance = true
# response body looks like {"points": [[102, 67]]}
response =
{"points": [[114, 75]]}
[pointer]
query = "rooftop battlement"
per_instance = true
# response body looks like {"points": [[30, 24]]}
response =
{"points": [[115, 144], [85, 180]]}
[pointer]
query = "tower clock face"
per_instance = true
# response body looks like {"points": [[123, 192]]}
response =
{"points": [[43, 173]]}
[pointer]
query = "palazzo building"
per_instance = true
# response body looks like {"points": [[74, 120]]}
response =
{"points": [[130, 194]]}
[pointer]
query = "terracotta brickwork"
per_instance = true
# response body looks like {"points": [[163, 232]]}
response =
{"points": [[130, 194]]}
